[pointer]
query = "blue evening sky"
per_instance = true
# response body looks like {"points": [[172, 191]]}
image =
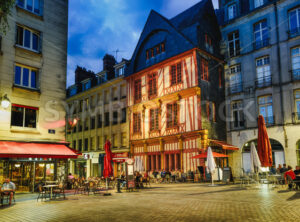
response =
{"points": [[97, 27]]}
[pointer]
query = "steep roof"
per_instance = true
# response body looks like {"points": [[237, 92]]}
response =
{"points": [[180, 32], [191, 15]]}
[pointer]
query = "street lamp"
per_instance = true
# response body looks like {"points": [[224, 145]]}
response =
{"points": [[5, 102]]}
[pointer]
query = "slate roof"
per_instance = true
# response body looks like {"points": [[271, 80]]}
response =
{"points": [[179, 33]]}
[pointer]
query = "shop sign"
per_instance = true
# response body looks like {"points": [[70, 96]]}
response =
{"points": [[119, 157]]}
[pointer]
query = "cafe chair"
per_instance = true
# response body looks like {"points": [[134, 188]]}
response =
{"points": [[42, 193], [60, 190]]}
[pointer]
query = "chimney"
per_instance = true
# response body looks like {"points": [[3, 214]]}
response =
{"points": [[81, 74], [108, 65]]}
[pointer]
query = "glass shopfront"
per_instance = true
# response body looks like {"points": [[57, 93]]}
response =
{"points": [[27, 173]]}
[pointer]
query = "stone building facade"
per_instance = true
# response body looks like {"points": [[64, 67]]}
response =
{"points": [[33, 78], [262, 57], [99, 108]]}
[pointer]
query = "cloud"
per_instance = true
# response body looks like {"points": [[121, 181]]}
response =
{"points": [[90, 63], [97, 28], [171, 8]]}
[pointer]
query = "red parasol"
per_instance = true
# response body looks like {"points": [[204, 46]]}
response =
{"points": [[264, 148], [108, 170], [204, 155]]}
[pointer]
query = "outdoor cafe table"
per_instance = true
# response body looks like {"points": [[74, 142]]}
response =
{"points": [[51, 188]]}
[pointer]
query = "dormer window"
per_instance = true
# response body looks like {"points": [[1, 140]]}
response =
{"points": [[258, 3], [152, 53], [86, 85], [232, 11], [157, 50], [163, 47]]}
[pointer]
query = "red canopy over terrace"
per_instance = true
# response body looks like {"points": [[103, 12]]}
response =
{"points": [[204, 155], [10, 149]]}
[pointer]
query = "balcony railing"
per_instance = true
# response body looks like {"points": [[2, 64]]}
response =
{"points": [[295, 74], [296, 117], [262, 43], [239, 124], [263, 82], [294, 32], [235, 88]]}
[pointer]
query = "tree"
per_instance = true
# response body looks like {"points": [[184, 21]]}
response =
{"points": [[5, 10]]}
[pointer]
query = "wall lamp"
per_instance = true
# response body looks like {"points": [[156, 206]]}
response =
{"points": [[5, 102]]}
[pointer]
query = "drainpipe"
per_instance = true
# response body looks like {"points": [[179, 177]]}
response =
{"points": [[280, 74]]}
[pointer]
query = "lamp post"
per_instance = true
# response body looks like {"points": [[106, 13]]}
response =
{"points": [[5, 102]]}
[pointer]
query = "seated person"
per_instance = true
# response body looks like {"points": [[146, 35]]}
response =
{"points": [[291, 174], [155, 174], [272, 170], [297, 171], [163, 174], [123, 179], [283, 169], [9, 188]]}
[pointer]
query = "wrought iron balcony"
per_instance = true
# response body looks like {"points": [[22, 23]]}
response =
{"points": [[263, 82], [295, 74], [262, 43], [296, 117], [294, 32], [235, 88], [237, 124]]}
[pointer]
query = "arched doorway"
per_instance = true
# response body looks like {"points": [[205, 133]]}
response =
{"points": [[298, 152], [277, 153]]}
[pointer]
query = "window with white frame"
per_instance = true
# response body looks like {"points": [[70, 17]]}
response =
{"points": [[295, 53], [237, 114], [232, 11], [261, 34], [294, 21], [34, 6], [263, 71], [258, 3], [233, 43], [28, 38], [25, 76], [23, 116], [235, 79], [265, 106]]}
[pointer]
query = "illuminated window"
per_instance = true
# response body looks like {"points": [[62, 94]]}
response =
{"points": [[176, 71], [152, 89], [138, 90], [136, 122], [154, 122], [172, 115], [23, 116]]}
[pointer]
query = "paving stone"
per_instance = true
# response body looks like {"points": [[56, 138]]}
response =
{"points": [[166, 202]]}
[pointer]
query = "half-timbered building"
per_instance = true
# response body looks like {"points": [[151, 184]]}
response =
{"points": [[175, 86]]}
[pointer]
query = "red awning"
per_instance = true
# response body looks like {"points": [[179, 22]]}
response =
{"points": [[225, 146], [35, 150], [204, 155]]}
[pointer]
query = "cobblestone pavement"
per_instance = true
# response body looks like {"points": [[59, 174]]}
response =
{"points": [[166, 202]]}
